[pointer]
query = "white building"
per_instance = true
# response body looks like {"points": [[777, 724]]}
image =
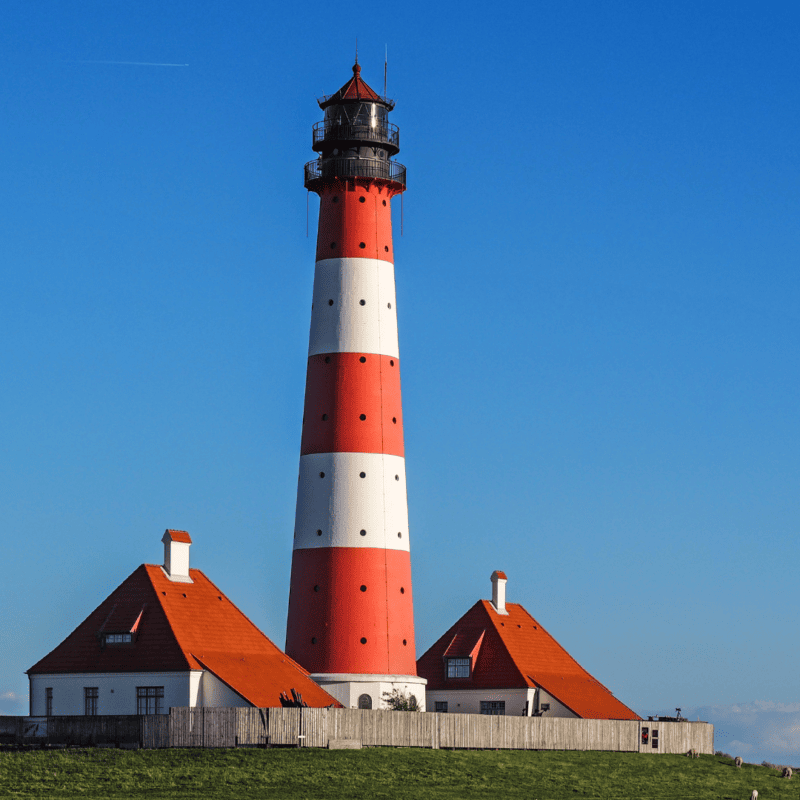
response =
{"points": [[497, 659], [167, 636]]}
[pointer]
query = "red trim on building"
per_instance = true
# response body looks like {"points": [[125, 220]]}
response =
{"points": [[338, 614], [340, 388]]}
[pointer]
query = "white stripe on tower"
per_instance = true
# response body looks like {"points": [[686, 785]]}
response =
{"points": [[354, 307]]}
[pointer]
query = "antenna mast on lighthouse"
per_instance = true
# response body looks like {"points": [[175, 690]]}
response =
{"points": [[351, 621]]}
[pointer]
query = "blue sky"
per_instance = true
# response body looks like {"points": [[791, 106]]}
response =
{"points": [[597, 299]]}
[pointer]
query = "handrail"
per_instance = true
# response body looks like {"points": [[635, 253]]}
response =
{"points": [[332, 168], [381, 132]]}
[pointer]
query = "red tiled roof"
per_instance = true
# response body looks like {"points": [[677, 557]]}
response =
{"points": [[124, 617], [182, 627], [466, 644], [517, 652], [355, 89], [178, 536], [500, 574]]}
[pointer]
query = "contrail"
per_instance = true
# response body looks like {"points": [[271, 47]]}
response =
{"points": [[129, 63]]}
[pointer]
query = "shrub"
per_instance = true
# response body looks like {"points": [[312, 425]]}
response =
{"points": [[400, 701]]}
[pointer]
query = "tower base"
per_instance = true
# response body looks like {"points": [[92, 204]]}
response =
{"points": [[352, 690]]}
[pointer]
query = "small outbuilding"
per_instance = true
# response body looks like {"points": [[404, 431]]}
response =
{"points": [[497, 659], [167, 636]]}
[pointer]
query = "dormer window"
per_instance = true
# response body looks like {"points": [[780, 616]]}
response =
{"points": [[117, 638], [458, 667]]}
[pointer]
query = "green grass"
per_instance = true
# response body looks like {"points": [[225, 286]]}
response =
{"points": [[380, 773]]}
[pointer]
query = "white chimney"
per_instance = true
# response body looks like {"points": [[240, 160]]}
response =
{"points": [[176, 555], [499, 591]]}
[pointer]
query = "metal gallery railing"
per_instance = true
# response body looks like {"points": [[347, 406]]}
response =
{"points": [[332, 168], [384, 132]]}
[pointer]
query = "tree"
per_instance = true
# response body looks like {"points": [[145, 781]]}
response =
{"points": [[397, 700]]}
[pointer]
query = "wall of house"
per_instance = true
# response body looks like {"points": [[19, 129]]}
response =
{"points": [[556, 709], [216, 694], [468, 701], [116, 691]]}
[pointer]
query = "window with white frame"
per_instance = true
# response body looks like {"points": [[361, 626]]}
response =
{"points": [[494, 708], [90, 695], [458, 667], [48, 701], [149, 699]]}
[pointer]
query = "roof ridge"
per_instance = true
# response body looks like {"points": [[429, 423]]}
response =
{"points": [[486, 605], [166, 613], [75, 629], [582, 669], [76, 640], [289, 659]]}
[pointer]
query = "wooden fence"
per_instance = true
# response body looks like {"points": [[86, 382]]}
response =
{"points": [[316, 727]]}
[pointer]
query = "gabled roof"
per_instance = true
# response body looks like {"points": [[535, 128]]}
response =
{"points": [[176, 536], [181, 627], [355, 89], [517, 652], [466, 644]]}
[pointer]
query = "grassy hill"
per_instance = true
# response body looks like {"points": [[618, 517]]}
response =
{"points": [[380, 773]]}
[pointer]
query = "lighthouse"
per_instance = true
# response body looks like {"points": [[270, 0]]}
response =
{"points": [[350, 620]]}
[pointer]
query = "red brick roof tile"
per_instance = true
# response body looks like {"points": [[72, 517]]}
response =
{"points": [[517, 652], [182, 627]]}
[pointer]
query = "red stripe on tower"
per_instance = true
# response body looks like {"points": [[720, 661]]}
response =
{"points": [[351, 621]]}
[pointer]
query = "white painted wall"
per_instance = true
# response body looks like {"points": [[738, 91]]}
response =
{"points": [[117, 691], [468, 701], [343, 503], [557, 709], [347, 326], [348, 688], [216, 694], [176, 559]]}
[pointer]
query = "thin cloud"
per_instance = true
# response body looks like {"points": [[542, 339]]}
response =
{"points": [[129, 63], [761, 730], [13, 703]]}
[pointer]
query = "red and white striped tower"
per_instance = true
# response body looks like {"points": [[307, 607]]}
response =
{"points": [[351, 621]]}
